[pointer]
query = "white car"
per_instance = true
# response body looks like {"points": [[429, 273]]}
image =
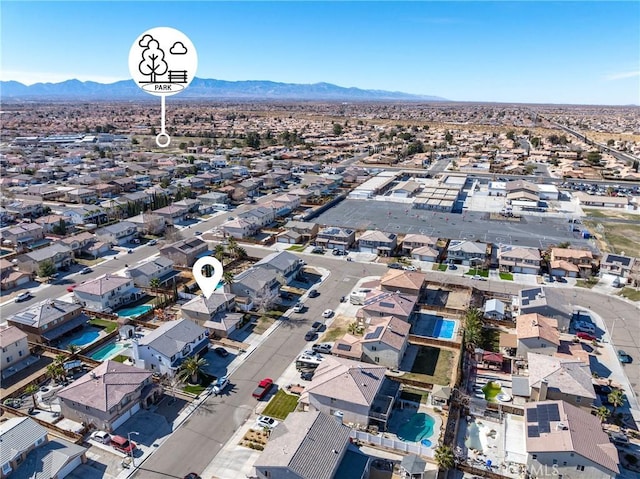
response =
{"points": [[102, 437], [220, 384], [327, 313], [298, 308], [23, 297], [410, 268], [266, 421]]}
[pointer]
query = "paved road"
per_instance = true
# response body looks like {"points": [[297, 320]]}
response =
{"points": [[200, 438]]}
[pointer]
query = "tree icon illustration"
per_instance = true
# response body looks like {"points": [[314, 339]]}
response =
{"points": [[152, 63]]}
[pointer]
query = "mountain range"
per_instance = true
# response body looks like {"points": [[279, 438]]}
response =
{"points": [[201, 88]]}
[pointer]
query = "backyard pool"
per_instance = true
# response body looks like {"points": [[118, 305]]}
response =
{"points": [[435, 326], [135, 311], [417, 429], [87, 336], [108, 351]]}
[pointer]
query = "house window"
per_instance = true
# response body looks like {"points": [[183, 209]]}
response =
{"points": [[333, 400], [20, 353], [564, 463], [534, 456], [39, 441], [377, 359], [555, 462], [579, 467], [373, 348]]}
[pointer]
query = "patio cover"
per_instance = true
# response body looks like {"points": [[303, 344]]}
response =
{"points": [[490, 357]]}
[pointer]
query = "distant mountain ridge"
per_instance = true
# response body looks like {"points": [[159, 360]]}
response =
{"points": [[202, 88]]}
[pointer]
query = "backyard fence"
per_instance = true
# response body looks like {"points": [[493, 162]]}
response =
{"points": [[429, 341], [394, 444], [76, 437]]}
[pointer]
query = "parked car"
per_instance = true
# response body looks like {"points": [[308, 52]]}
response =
{"points": [[192, 475], [314, 293], [317, 325], [152, 242], [322, 348], [452, 266], [339, 252], [306, 375], [477, 277], [298, 308], [23, 297], [586, 336], [410, 268], [129, 251], [102, 437], [263, 388], [71, 288], [220, 384], [123, 444], [266, 421], [327, 313], [317, 250], [310, 335], [584, 327], [624, 357], [220, 351], [86, 270], [394, 266], [618, 437]]}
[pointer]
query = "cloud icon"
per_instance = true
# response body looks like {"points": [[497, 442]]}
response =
{"points": [[144, 41], [178, 48]]}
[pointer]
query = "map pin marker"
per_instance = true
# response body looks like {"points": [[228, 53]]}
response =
{"points": [[207, 284]]}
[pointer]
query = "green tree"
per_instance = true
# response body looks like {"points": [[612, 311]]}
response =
{"points": [[252, 140], [511, 135], [448, 137], [603, 413], [218, 253], [337, 129], [46, 269], [31, 390], [535, 142], [472, 327], [594, 157], [154, 283], [191, 369], [73, 348], [60, 228], [611, 142], [616, 398], [55, 371], [228, 276], [444, 457]]}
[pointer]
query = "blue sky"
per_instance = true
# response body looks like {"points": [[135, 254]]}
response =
{"points": [[569, 52]]}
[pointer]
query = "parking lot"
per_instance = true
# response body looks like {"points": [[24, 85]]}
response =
{"points": [[533, 231]]}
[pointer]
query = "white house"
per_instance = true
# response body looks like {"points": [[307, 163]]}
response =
{"points": [[14, 348], [537, 334], [159, 268], [106, 293], [165, 348], [118, 233]]}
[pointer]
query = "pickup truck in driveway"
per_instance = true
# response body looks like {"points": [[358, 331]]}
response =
{"points": [[263, 388]]}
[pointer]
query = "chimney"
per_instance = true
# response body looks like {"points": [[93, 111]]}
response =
{"points": [[542, 396]]}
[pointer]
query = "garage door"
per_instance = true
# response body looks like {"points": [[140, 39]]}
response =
{"points": [[122, 419], [70, 467]]}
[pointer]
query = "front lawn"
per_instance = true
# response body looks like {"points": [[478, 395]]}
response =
{"points": [[480, 272], [281, 405], [506, 276], [587, 283], [296, 247], [108, 326], [439, 267], [630, 293], [198, 388]]}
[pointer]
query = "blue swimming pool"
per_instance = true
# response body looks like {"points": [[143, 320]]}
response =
{"points": [[418, 428], [134, 311], [434, 326], [107, 352], [444, 328], [86, 337]]}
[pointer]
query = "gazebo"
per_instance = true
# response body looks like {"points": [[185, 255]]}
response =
{"points": [[492, 359], [440, 395], [412, 467]]}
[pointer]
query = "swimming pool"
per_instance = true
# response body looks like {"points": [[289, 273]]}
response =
{"points": [[444, 328], [434, 326], [134, 311], [418, 428], [87, 336], [108, 351]]}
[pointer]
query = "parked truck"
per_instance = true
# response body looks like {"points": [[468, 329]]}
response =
{"points": [[263, 388]]}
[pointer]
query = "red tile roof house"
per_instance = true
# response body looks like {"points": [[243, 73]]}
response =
{"points": [[109, 395]]}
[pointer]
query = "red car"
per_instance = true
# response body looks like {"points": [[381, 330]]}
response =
{"points": [[122, 444], [71, 288], [263, 388], [586, 336]]}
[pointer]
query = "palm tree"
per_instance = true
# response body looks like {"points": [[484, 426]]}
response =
{"points": [[603, 413], [616, 398], [472, 327], [55, 371], [240, 252], [444, 457], [191, 369], [73, 348], [354, 328], [154, 284], [31, 390], [228, 276], [218, 253]]}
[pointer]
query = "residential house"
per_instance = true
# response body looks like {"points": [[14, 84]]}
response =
{"points": [[214, 198], [617, 265], [240, 228], [377, 242], [537, 334], [107, 396], [260, 216], [23, 235], [468, 253], [164, 349], [149, 223], [173, 214], [57, 253], [125, 184], [306, 230], [425, 253], [336, 238], [10, 277], [547, 302], [406, 282], [14, 348], [383, 303], [258, 285], [24, 208], [118, 234], [47, 321], [192, 205], [568, 441], [413, 241], [289, 237], [86, 215], [356, 392], [184, 253], [581, 260], [384, 342], [311, 445], [106, 293], [519, 259], [27, 452], [555, 378], [50, 223], [159, 268], [215, 313], [494, 309], [81, 195], [286, 265]]}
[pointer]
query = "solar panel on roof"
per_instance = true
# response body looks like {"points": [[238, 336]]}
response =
{"points": [[554, 412], [544, 427], [375, 334], [532, 431], [386, 305], [532, 415], [344, 347]]}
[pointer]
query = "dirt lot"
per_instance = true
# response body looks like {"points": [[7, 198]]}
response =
{"points": [[617, 237]]}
